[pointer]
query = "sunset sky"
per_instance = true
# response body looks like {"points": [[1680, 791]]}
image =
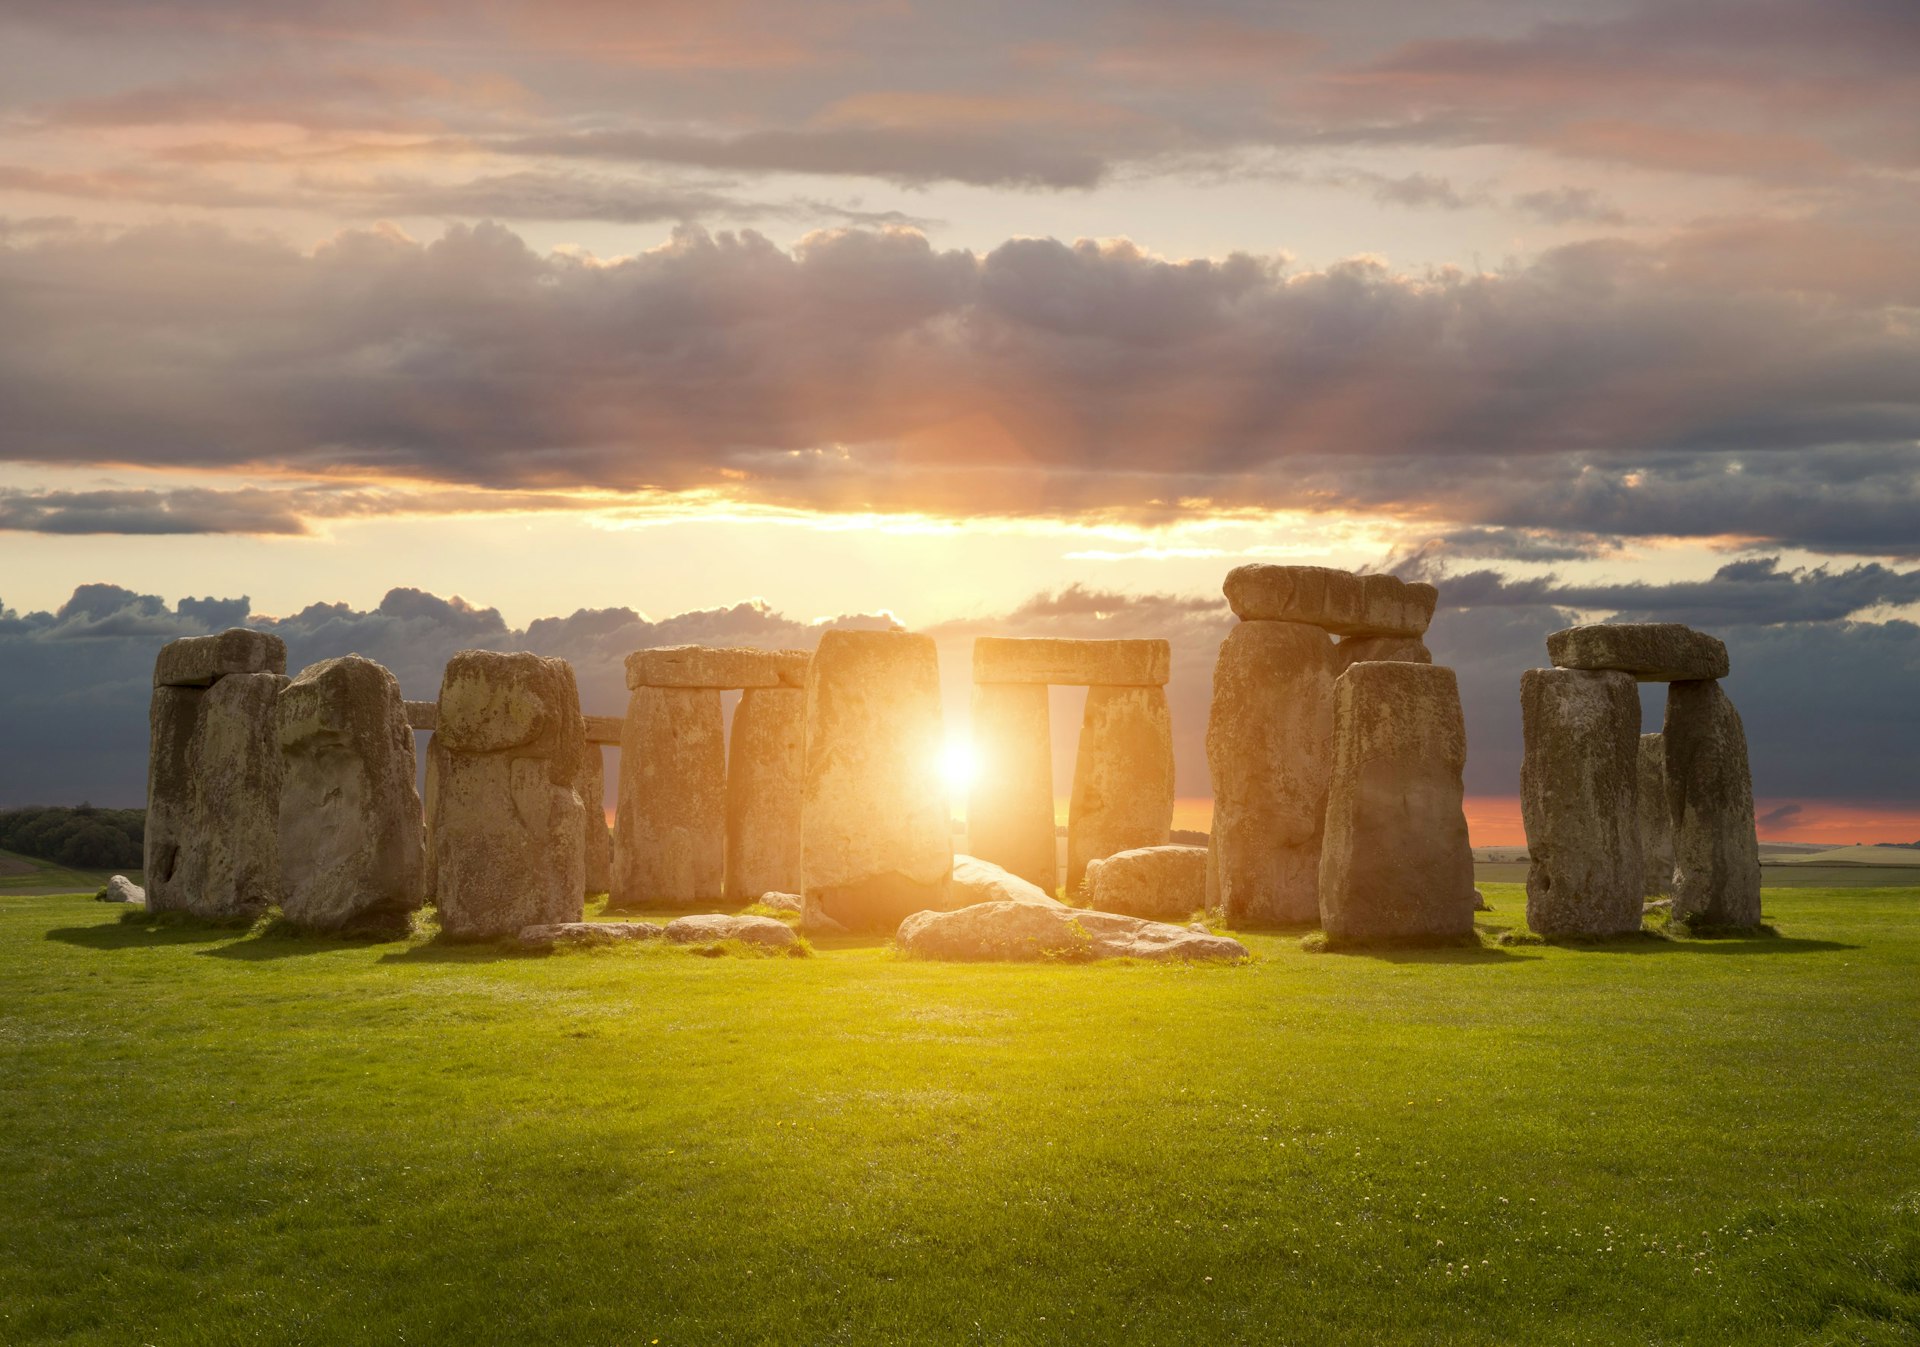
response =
{"points": [[1032, 318]]}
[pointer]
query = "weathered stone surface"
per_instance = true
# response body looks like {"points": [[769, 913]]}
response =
{"points": [[1335, 601], [1270, 753], [590, 934], [1716, 853], [979, 881], [1122, 777], [699, 666], [814, 919], [1656, 829], [782, 902], [1380, 649], [670, 827], [875, 821], [1070, 662], [1010, 802], [597, 839], [423, 715], [709, 927], [507, 816], [171, 716], [200, 661], [1161, 883], [1020, 932], [604, 729], [766, 773], [228, 861], [1578, 799], [120, 889], [435, 773], [1653, 652], [352, 840], [1395, 864]]}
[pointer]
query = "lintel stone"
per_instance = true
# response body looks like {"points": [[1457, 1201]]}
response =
{"points": [[1653, 652], [700, 666], [199, 661], [1070, 662], [1336, 601]]}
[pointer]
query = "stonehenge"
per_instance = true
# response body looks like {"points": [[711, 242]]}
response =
{"points": [[1122, 794], [766, 763], [1396, 864], [1161, 883], [213, 775], [1613, 816], [1270, 729], [352, 840]]}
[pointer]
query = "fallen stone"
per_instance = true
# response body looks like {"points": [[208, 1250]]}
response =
{"points": [[227, 867], [1022, 932], [120, 889], [712, 927], [1579, 801], [508, 821], [589, 934], [1335, 601], [1716, 853], [1010, 801], [1655, 828], [351, 836], [1071, 662], [876, 829], [1122, 777], [1161, 883], [1395, 864], [782, 902], [721, 669], [201, 661], [671, 822], [1653, 652], [1380, 649], [1270, 753], [977, 881], [596, 837], [766, 772]]}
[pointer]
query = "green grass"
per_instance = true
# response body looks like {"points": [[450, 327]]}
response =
{"points": [[30, 875], [213, 1137]]}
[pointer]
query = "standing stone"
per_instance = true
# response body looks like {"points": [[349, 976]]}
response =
{"points": [[1122, 777], [1270, 751], [877, 832], [352, 843], [171, 717], [1396, 864], [1377, 649], [1010, 801], [1579, 787], [1656, 829], [597, 842], [1716, 852], [766, 773], [436, 772], [228, 865], [671, 826], [507, 813]]}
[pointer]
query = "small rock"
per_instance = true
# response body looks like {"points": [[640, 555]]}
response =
{"points": [[1027, 931], [783, 902], [120, 889], [977, 881], [588, 933], [1480, 903], [714, 926]]}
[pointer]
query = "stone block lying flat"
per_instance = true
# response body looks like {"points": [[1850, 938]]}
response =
{"points": [[1025, 932], [604, 729], [197, 661], [423, 715], [1336, 601], [589, 933], [713, 926], [1159, 883], [1046, 659], [700, 666], [1653, 652]]}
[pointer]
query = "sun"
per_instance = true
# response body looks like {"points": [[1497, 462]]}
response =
{"points": [[959, 765]]}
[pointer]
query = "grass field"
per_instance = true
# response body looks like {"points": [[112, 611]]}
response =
{"points": [[226, 1137], [30, 875]]}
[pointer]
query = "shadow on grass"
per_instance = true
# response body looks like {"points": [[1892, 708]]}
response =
{"points": [[1713, 944], [1462, 953], [141, 935], [442, 950], [282, 940]]}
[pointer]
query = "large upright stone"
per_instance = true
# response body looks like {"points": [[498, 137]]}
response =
{"points": [[670, 844], [718, 668], [1270, 752], [1396, 863], [1071, 662], [1010, 800], [766, 773], [171, 716], [228, 863], [878, 840], [597, 841], [1653, 652], [1656, 829], [1122, 777], [1336, 601], [352, 842], [201, 661], [507, 811], [1579, 787], [1716, 852]]}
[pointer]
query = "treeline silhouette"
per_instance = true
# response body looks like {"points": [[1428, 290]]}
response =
{"points": [[79, 836]]}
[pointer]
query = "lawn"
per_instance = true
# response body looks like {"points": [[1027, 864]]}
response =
{"points": [[223, 1137], [31, 875]]}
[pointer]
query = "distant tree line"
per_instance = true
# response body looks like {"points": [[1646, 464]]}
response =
{"points": [[79, 836]]}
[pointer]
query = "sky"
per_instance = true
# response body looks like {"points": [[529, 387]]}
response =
{"points": [[617, 320]]}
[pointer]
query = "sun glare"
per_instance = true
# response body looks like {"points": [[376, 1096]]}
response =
{"points": [[959, 764]]}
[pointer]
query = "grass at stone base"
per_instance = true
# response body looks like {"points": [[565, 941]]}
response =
{"points": [[212, 1136]]}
